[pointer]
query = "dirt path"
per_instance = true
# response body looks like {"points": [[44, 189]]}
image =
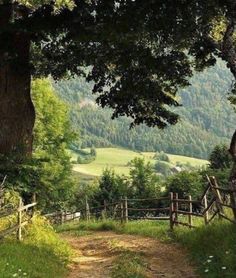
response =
{"points": [[95, 254]]}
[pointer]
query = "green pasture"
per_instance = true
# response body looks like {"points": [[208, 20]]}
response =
{"points": [[118, 159]]}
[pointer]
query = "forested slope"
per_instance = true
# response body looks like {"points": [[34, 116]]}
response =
{"points": [[207, 118]]}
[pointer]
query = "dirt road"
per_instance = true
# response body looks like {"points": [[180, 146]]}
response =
{"points": [[95, 254]]}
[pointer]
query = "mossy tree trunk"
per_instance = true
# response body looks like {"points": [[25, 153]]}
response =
{"points": [[17, 115]]}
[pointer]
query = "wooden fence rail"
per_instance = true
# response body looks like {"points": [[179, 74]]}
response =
{"points": [[60, 217], [20, 212]]}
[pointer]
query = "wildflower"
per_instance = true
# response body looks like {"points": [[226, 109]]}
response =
{"points": [[211, 257], [226, 252], [206, 270], [223, 267], [14, 275], [209, 261], [19, 270], [24, 273]]}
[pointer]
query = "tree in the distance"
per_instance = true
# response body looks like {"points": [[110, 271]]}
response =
{"points": [[143, 180], [220, 158], [185, 183]]}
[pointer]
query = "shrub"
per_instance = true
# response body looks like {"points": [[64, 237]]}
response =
{"points": [[185, 183], [163, 168]]}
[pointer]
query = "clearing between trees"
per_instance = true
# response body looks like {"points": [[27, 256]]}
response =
{"points": [[99, 255]]}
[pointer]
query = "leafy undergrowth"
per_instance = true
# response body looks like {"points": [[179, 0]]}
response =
{"points": [[42, 254], [212, 248]]}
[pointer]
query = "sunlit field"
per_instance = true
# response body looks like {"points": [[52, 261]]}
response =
{"points": [[118, 159]]}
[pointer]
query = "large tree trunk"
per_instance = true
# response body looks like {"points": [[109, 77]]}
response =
{"points": [[17, 113], [232, 179], [228, 53]]}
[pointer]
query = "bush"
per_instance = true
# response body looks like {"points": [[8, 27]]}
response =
{"points": [[163, 168], [185, 183], [162, 157], [85, 157], [85, 160], [41, 234]]}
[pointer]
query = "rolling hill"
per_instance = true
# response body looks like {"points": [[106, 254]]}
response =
{"points": [[207, 118]]}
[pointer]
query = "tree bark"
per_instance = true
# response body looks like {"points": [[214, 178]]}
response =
{"points": [[232, 178], [228, 51], [17, 115]]}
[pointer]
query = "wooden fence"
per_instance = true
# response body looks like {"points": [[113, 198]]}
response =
{"points": [[216, 199], [21, 215], [167, 208], [178, 211], [171, 208], [61, 217]]}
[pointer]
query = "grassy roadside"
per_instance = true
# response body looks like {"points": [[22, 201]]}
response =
{"points": [[42, 254], [212, 248]]}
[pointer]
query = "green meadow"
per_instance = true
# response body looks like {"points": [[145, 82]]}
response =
{"points": [[118, 159]]}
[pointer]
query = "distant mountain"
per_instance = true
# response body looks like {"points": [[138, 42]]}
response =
{"points": [[207, 118]]}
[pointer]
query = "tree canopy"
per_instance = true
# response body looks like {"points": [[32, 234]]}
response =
{"points": [[138, 53]]}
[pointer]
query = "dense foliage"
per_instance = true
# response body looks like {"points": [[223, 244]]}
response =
{"points": [[142, 182], [207, 118], [185, 184], [220, 158], [53, 136], [48, 172]]}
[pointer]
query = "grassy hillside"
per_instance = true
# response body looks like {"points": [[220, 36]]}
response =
{"points": [[118, 159]]}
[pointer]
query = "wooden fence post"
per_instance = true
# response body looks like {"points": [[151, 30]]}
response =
{"points": [[126, 210], [61, 217], [121, 211], [2, 192], [87, 209], [176, 207], [19, 220], [233, 203], [171, 211], [216, 192], [190, 218], [33, 201], [206, 215]]}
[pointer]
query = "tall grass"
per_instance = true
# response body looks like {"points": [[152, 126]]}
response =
{"points": [[42, 254], [212, 247]]}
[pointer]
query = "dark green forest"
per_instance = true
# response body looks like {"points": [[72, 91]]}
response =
{"points": [[206, 118]]}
